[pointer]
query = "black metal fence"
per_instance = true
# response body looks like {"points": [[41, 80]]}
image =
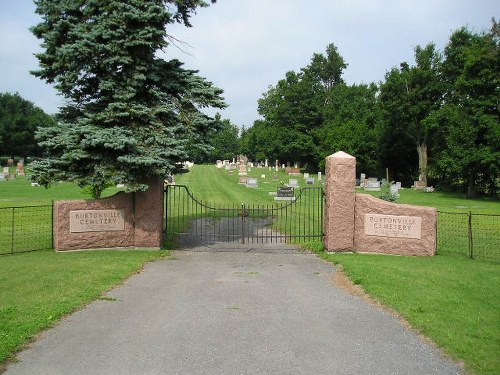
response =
{"points": [[469, 235], [459, 234], [193, 222], [25, 229]]}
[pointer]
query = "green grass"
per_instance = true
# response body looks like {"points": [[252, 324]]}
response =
{"points": [[455, 302], [219, 189], [445, 201], [19, 192], [38, 288]]}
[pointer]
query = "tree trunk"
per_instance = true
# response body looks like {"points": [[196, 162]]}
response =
{"points": [[422, 162]]}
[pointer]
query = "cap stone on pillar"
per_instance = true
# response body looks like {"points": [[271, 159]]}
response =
{"points": [[339, 201]]}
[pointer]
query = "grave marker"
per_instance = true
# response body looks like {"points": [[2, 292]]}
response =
{"points": [[252, 182], [285, 193]]}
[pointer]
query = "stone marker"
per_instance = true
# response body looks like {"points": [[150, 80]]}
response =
{"points": [[395, 191], [285, 193], [243, 180], [372, 185], [306, 176], [398, 185], [319, 176], [263, 176], [419, 185], [362, 180], [310, 181], [252, 182], [293, 182]]}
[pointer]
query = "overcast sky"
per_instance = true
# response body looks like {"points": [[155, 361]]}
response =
{"points": [[243, 46]]}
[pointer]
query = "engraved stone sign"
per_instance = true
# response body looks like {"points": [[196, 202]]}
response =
{"points": [[96, 221], [393, 226]]}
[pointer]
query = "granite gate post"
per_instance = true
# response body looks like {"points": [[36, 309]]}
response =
{"points": [[340, 193]]}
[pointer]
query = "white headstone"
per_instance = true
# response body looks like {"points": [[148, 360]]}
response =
{"points": [[310, 181], [252, 182], [319, 176], [293, 182], [306, 176], [372, 185]]}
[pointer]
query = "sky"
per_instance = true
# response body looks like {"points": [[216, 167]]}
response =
{"points": [[244, 46]]}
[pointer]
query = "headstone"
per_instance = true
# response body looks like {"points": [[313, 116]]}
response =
{"points": [[20, 169], [242, 170], [276, 168], [394, 191], [319, 176], [310, 181], [371, 185], [10, 162], [294, 171], [362, 180], [263, 176], [293, 182], [2, 177], [306, 176], [275, 177], [269, 168], [285, 193], [252, 182], [296, 165], [398, 185], [243, 180], [266, 163], [419, 185], [219, 164], [225, 162], [282, 166]]}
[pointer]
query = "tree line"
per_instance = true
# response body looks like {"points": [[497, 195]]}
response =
{"points": [[130, 115], [435, 119]]}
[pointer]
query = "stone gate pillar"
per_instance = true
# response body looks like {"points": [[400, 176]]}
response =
{"points": [[340, 193]]}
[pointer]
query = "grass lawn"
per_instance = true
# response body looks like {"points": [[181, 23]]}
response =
{"points": [[455, 302], [38, 288], [19, 192], [447, 202]]}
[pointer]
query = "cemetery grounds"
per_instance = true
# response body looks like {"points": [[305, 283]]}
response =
{"points": [[449, 298]]}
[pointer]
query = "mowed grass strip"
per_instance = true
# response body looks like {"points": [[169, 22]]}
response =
{"points": [[38, 288], [19, 192], [455, 302]]}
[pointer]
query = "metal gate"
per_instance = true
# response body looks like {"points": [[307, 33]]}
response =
{"points": [[191, 222]]}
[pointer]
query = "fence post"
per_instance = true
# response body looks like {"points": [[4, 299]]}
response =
{"points": [[52, 226], [243, 223], [12, 234], [471, 249]]}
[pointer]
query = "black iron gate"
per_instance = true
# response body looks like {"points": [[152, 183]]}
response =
{"points": [[192, 222]]}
